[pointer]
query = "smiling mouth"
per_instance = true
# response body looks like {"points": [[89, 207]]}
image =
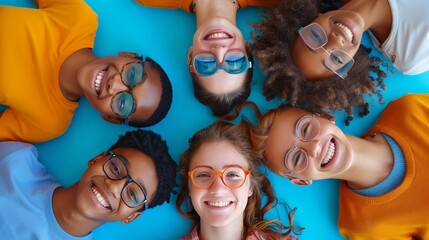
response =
{"points": [[347, 31], [100, 198], [98, 80], [217, 36], [330, 154], [218, 204]]}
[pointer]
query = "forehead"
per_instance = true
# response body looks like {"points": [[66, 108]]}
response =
{"points": [[218, 155], [148, 94], [309, 62], [141, 168]]}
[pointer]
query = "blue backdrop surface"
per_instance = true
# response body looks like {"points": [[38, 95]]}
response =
{"points": [[165, 35]]}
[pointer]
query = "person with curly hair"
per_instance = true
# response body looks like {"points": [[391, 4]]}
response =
{"points": [[220, 61], [383, 193], [312, 55], [135, 174], [222, 189]]}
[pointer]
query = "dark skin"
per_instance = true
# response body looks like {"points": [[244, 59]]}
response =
{"points": [[77, 208]]}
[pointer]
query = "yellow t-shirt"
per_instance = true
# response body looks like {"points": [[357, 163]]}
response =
{"points": [[184, 4], [402, 213], [33, 45]]}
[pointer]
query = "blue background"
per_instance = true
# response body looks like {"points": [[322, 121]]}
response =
{"points": [[165, 35]]}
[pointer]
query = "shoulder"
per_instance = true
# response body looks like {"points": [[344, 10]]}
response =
{"points": [[11, 148]]}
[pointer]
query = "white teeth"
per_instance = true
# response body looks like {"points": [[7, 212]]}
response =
{"points": [[100, 198], [346, 30], [218, 35], [98, 81], [218, 204], [330, 153]]}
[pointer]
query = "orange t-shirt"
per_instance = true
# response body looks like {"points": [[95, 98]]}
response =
{"points": [[33, 47]]}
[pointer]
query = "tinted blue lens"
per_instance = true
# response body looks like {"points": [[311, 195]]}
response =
{"points": [[205, 64], [123, 104], [235, 62], [133, 74]]}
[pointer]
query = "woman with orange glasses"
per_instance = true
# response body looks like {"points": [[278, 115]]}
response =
{"points": [[222, 188]]}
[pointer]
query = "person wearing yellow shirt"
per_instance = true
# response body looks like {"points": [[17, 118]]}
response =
{"points": [[47, 65], [219, 60], [383, 192]]}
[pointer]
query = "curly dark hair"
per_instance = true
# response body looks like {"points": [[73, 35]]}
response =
{"points": [[273, 39], [237, 135], [222, 104], [152, 145]]}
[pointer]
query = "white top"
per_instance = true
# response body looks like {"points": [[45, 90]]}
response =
{"points": [[407, 46]]}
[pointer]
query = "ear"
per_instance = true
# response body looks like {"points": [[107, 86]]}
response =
{"points": [[301, 182], [96, 159], [128, 54], [131, 218], [190, 55], [250, 192], [111, 119]]}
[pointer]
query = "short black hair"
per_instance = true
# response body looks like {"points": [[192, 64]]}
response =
{"points": [[152, 145], [165, 102]]}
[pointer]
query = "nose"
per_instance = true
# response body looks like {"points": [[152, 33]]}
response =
{"points": [[217, 187], [116, 85], [312, 148], [219, 52], [115, 186], [335, 40]]}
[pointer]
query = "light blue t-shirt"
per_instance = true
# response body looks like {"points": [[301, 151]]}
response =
{"points": [[26, 196]]}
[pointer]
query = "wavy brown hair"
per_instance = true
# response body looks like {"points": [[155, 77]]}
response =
{"points": [[273, 39], [237, 135]]}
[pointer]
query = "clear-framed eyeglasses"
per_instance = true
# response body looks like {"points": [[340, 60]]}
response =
{"points": [[338, 61], [307, 128], [132, 194], [232, 177]]}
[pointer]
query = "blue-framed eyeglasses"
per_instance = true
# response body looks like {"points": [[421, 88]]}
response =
{"points": [[132, 75], [132, 194], [234, 62], [338, 61]]}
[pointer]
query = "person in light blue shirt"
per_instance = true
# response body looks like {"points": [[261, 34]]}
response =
{"points": [[136, 173]]}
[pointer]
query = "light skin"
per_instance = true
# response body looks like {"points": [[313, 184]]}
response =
{"points": [[362, 162], [217, 33], [77, 209], [219, 222], [358, 16], [77, 79]]}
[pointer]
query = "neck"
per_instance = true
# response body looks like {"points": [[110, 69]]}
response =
{"points": [[68, 215], [372, 162], [69, 73], [377, 15], [209, 9], [231, 231]]}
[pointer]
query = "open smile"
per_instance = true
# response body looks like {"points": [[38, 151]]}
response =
{"points": [[330, 154], [102, 200], [99, 80], [217, 35]]}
